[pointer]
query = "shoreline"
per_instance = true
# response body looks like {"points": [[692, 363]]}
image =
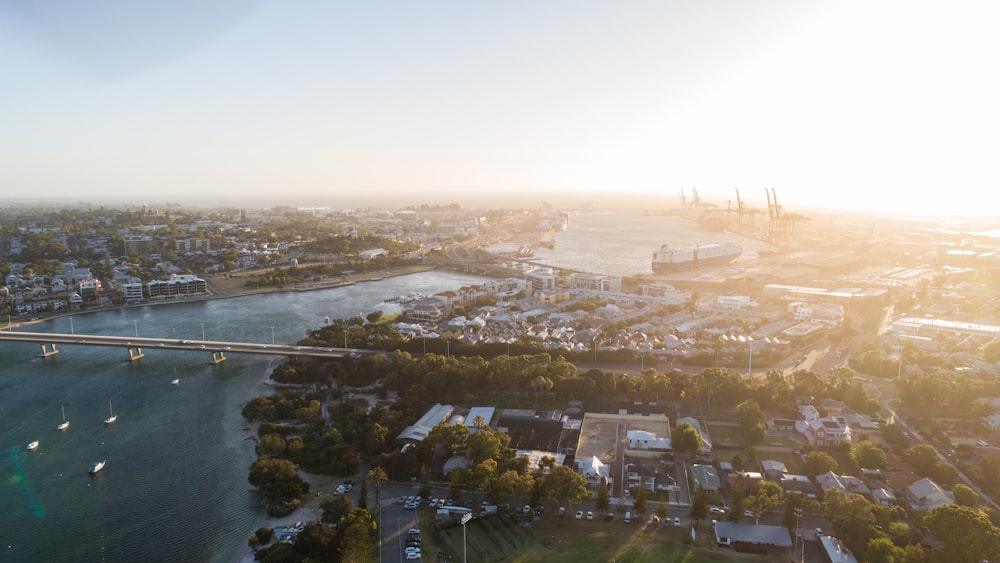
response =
{"points": [[223, 294]]}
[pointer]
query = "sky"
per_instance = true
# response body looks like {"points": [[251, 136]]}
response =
{"points": [[886, 106]]}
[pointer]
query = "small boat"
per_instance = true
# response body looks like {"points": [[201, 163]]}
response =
{"points": [[32, 445], [175, 382], [97, 467], [65, 423], [111, 419]]}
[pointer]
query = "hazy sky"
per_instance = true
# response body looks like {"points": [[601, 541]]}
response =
{"points": [[875, 105]]}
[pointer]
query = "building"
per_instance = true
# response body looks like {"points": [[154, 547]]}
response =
{"points": [[751, 535], [648, 441], [593, 470], [177, 285], [541, 278], [834, 550], [773, 470], [132, 292], [595, 282], [926, 495], [825, 432], [417, 431], [961, 438], [843, 483], [706, 477], [140, 246]]}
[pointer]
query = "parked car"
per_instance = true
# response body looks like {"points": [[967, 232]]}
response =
{"points": [[579, 515], [562, 511], [590, 515], [526, 509], [677, 522], [609, 517]]}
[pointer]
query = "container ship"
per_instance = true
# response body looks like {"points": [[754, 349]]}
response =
{"points": [[668, 259]]}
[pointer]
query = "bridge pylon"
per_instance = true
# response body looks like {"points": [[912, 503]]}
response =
{"points": [[135, 354], [46, 352], [218, 358]]}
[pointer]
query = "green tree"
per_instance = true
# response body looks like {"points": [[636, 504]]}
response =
{"points": [[317, 542], [335, 507], [564, 483], [699, 505], [603, 497], [852, 518], [358, 537], [965, 495], [967, 534], [639, 499], [818, 463], [767, 496], [686, 439], [882, 550], [739, 500], [868, 455]]}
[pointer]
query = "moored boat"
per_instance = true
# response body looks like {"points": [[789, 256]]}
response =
{"points": [[668, 259], [97, 467], [111, 419], [65, 423], [32, 445]]}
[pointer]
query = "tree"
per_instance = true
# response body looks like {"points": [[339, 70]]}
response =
{"points": [[766, 497], [639, 499], [852, 518], [817, 463], [967, 534], [603, 497], [739, 500], [564, 483], [335, 507], [686, 439], [964, 495], [377, 476], [317, 542], [923, 457], [882, 550], [868, 455], [699, 505], [751, 419], [358, 537]]}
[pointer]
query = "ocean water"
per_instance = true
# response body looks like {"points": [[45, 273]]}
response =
{"points": [[175, 485], [622, 242]]}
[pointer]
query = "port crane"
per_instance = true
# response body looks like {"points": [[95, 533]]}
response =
{"points": [[781, 224]]}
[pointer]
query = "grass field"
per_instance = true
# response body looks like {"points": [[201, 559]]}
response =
{"points": [[726, 436], [552, 539]]}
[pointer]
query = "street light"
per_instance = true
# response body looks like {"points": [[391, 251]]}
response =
{"points": [[465, 554], [203, 331], [272, 335], [798, 533], [71, 326], [750, 356], [134, 322]]}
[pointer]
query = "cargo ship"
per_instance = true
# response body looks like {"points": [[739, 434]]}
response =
{"points": [[668, 259]]}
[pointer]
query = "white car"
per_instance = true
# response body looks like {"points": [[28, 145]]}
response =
{"points": [[749, 514], [590, 515], [677, 522], [715, 510], [579, 515]]}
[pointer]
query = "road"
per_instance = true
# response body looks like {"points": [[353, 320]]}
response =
{"points": [[127, 342]]}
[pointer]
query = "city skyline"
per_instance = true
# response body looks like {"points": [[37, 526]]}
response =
{"points": [[886, 107]]}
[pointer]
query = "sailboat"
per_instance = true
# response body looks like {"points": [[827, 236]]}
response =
{"points": [[111, 419], [97, 467], [65, 423], [33, 445]]}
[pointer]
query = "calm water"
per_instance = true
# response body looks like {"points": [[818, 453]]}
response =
{"points": [[622, 242], [175, 485]]}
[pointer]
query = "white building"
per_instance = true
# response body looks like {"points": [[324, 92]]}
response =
{"points": [[827, 431], [926, 495], [595, 282], [733, 301], [643, 440], [541, 278]]}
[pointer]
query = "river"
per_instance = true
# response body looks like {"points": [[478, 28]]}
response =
{"points": [[175, 484]]}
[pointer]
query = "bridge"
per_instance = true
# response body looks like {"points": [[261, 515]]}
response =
{"points": [[134, 346]]}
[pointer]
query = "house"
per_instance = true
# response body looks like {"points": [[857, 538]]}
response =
{"points": [[773, 470], [843, 483], [593, 470], [734, 534], [643, 440], [799, 485], [992, 421], [884, 497], [750, 480], [926, 495], [827, 431], [835, 551], [961, 438], [706, 477]]}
